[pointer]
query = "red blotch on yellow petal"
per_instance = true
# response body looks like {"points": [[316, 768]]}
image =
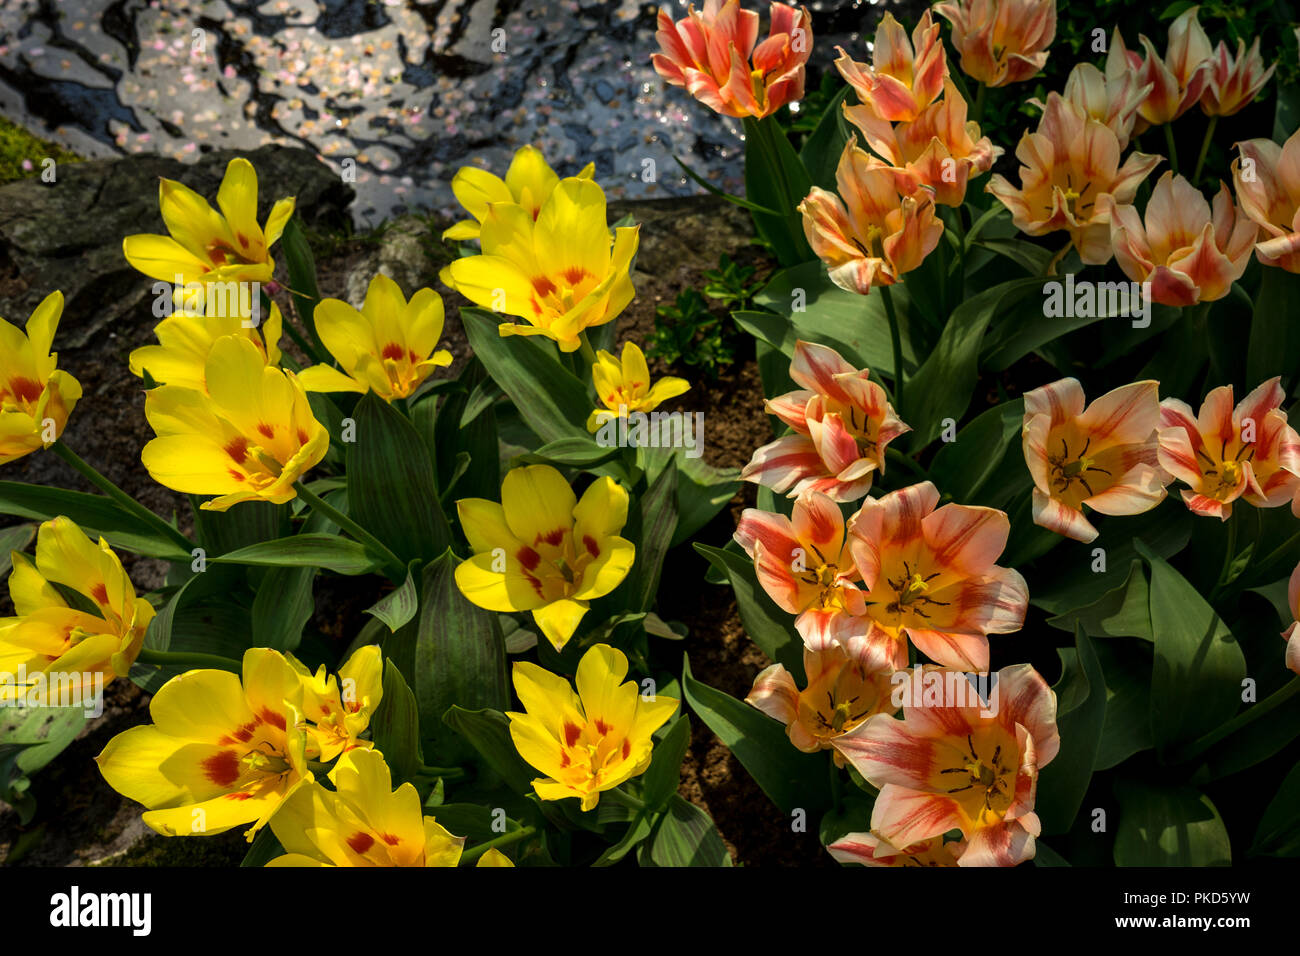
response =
{"points": [[571, 734], [265, 429], [237, 448], [528, 557], [24, 389], [222, 768], [100, 593], [392, 351], [361, 842], [590, 543], [272, 718]]}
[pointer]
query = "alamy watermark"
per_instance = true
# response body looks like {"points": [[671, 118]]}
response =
{"points": [[626, 429], [84, 689], [1100, 300], [241, 300], [917, 689]]}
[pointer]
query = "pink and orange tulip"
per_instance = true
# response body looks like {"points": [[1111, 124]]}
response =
{"points": [[847, 684], [1071, 167], [1001, 41], [713, 55], [935, 154], [842, 423], [1226, 453], [870, 850], [1267, 179], [1103, 456], [1188, 252], [869, 235], [1111, 98], [805, 566], [961, 767], [1178, 80], [905, 76], [1234, 81], [931, 577]]}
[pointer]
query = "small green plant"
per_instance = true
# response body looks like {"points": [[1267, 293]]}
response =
{"points": [[730, 284], [689, 332]]}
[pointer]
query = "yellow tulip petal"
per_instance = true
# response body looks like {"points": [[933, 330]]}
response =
{"points": [[559, 619], [538, 504]]}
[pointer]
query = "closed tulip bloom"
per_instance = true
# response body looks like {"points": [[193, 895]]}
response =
{"points": [[1234, 81], [543, 550], [905, 76], [869, 849], [185, 340], [958, 766], [805, 566], [935, 154], [36, 398], [48, 636], [562, 274], [205, 245], [591, 741], [529, 183], [1267, 180], [1188, 253], [389, 347], [931, 577], [339, 716], [1225, 453], [1001, 41], [220, 752], [1069, 164], [623, 386], [846, 684], [363, 821], [1103, 456], [249, 438], [842, 424], [713, 55], [869, 235], [1178, 80]]}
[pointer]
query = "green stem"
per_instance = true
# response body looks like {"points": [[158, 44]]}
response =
{"points": [[1169, 145], [1262, 709], [893, 454], [119, 496], [1229, 552], [187, 659], [393, 563], [446, 773], [896, 340], [836, 784], [514, 836], [1205, 149]]}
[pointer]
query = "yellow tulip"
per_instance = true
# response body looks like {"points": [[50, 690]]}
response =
{"points": [[529, 183], [50, 637], [543, 550], [185, 338], [219, 753], [364, 822], [590, 741], [206, 245], [249, 438], [35, 397], [562, 273], [387, 347], [624, 386], [340, 710]]}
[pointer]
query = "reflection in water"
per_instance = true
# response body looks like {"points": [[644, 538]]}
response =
{"points": [[403, 92]]}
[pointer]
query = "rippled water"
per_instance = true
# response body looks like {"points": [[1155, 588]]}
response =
{"points": [[407, 90]]}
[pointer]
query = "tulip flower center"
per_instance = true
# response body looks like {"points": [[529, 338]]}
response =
{"points": [[984, 776], [1066, 469], [20, 394], [1225, 476], [849, 701], [875, 246], [911, 592]]}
